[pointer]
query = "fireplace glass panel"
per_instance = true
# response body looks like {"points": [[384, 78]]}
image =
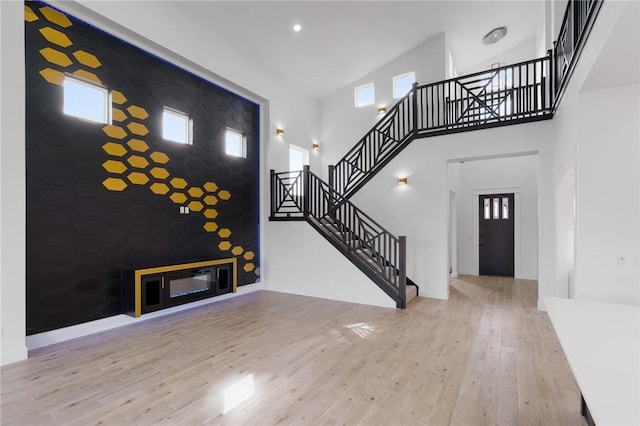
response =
{"points": [[199, 281]]}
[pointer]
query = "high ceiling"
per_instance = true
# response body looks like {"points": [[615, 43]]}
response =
{"points": [[342, 41]]}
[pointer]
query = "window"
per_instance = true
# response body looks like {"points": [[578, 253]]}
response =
{"points": [[496, 209], [177, 126], [403, 83], [235, 144], [487, 209], [86, 100], [365, 95], [298, 158], [505, 208]]}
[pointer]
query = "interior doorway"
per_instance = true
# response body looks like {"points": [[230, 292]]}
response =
{"points": [[496, 236]]}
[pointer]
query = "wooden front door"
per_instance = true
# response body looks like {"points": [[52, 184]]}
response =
{"points": [[496, 235]]}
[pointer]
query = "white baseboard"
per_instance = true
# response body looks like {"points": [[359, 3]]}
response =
{"points": [[466, 272], [526, 277], [434, 294], [47, 338], [541, 306], [13, 355]]}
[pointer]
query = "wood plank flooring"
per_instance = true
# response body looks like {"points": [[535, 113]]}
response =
{"points": [[486, 356]]}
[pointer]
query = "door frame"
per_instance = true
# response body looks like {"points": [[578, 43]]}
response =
{"points": [[516, 225]]}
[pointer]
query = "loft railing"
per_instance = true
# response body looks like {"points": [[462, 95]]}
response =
{"points": [[506, 95], [576, 26], [302, 195]]}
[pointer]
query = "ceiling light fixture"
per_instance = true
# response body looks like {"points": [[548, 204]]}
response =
{"points": [[297, 28], [494, 35]]}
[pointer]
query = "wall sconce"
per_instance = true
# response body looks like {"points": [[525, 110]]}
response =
{"points": [[382, 110], [402, 181], [315, 146], [279, 132]]}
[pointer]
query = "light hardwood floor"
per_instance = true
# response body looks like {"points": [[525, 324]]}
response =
{"points": [[486, 356]]}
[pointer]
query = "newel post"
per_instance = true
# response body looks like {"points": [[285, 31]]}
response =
{"points": [[305, 190], [332, 171], [402, 267], [414, 107]]}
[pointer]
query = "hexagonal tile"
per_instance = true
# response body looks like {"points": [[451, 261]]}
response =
{"points": [[195, 192], [210, 226], [210, 213], [52, 76], [248, 267], [210, 200], [29, 15], [87, 76], [237, 250], [178, 197], [113, 166], [195, 206], [55, 57], [114, 131], [178, 183], [114, 184], [118, 97], [225, 245], [138, 178], [159, 173], [159, 188], [137, 161], [115, 149], [138, 129], [210, 187], [159, 157], [86, 58], [138, 112], [225, 233], [138, 145], [224, 195], [55, 17], [118, 115], [249, 255], [55, 37]]}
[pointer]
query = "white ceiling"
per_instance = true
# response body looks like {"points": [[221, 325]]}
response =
{"points": [[342, 41]]}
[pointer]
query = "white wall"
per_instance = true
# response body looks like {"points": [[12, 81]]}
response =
{"points": [[512, 172], [522, 52], [12, 183]]}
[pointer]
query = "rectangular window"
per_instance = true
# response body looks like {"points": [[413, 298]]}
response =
{"points": [[298, 158], [496, 208], [86, 100], [235, 144], [487, 208], [365, 95], [177, 126], [505, 208], [403, 83]]}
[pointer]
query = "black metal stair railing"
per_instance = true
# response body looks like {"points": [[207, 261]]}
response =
{"points": [[378, 253]]}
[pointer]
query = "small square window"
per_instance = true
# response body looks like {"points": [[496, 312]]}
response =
{"points": [[365, 95], [235, 144], [85, 100], [177, 126], [403, 83]]}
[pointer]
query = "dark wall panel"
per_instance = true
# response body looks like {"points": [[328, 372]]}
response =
{"points": [[105, 197]]}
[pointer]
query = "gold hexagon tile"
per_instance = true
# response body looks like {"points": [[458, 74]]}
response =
{"points": [[138, 112], [55, 57], [159, 157], [113, 166], [249, 255], [138, 145], [114, 149], [55, 37], [224, 195], [86, 58], [138, 178], [249, 267], [55, 17], [114, 184], [224, 233], [210, 226], [159, 188], [114, 131], [210, 213], [52, 76], [225, 245], [138, 129], [118, 115], [210, 200], [159, 173], [178, 197], [195, 192], [210, 187], [117, 97], [137, 161], [237, 250], [178, 183], [87, 76], [195, 206], [257, 271], [29, 15]]}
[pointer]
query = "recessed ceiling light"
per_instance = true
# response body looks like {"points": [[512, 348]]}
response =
{"points": [[494, 35], [297, 28]]}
